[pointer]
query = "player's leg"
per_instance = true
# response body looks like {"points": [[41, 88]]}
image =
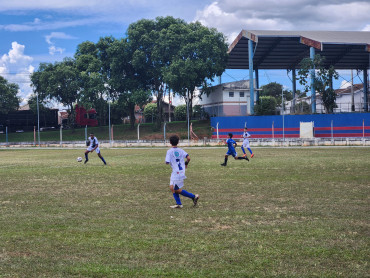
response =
{"points": [[225, 162], [249, 149], [176, 196], [185, 193], [86, 155], [98, 152]]}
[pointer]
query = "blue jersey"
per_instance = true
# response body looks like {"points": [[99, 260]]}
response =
{"points": [[230, 144]]}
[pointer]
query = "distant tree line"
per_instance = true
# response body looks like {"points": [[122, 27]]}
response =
{"points": [[156, 57]]}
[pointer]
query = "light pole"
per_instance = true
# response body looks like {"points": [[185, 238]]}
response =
{"points": [[282, 109], [38, 118]]}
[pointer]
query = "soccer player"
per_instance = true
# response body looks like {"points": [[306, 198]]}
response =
{"points": [[231, 144], [93, 145], [176, 158], [246, 142]]}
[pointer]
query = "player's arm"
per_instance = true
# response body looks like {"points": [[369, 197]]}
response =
{"points": [[187, 161]]}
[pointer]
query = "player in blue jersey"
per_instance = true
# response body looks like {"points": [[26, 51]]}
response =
{"points": [[245, 144], [176, 158], [93, 145], [231, 144]]}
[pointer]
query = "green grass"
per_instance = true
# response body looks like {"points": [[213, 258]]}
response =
{"points": [[286, 213], [120, 132]]}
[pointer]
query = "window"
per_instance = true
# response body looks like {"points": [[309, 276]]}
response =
{"points": [[241, 94], [231, 94]]}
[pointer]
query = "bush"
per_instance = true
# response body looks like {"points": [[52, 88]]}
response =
{"points": [[180, 112], [266, 106], [150, 112]]}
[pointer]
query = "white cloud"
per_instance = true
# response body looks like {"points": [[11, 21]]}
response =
{"points": [[16, 67], [56, 35], [231, 16]]}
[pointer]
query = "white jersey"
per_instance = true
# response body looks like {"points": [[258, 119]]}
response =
{"points": [[93, 142], [175, 157], [246, 140]]}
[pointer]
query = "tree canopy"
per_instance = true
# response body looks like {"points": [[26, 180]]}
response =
{"points": [[9, 100], [322, 82]]}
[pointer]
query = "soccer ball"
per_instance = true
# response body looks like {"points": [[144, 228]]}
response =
{"points": [[79, 159]]}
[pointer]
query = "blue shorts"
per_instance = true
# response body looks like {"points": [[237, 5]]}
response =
{"points": [[232, 153]]}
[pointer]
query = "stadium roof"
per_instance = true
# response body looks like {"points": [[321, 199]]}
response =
{"points": [[285, 49]]}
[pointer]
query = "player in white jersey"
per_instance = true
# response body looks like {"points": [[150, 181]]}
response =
{"points": [[246, 135], [93, 145], [176, 158]]}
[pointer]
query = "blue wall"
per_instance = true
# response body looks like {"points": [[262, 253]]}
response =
{"points": [[344, 125]]}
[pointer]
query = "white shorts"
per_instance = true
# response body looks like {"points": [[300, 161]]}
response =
{"points": [[89, 148], [179, 183], [246, 144]]}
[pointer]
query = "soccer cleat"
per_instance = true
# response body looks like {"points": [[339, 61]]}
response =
{"points": [[195, 199], [86, 161], [176, 206], [252, 155], [244, 155], [223, 164], [246, 158]]}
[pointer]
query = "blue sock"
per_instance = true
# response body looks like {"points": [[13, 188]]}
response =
{"points": [[249, 149], [242, 149], [103, 160], [86, 157], [177, 198], [187, 194]]}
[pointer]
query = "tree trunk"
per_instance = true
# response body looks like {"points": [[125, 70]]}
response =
{"points": [[131, 108]]}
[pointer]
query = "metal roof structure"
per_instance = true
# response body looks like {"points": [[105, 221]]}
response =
{"points": [[285, 49]]}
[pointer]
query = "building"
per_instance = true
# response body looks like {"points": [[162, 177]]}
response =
{"points": [[343, 101], [228, 99]]}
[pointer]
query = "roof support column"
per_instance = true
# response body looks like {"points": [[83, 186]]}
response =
{"points": [[257, 85], [313, 93], [251, 83], [294, 88], [366, 89]]}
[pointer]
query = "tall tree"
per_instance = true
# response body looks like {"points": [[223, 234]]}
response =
{"points": [[127, 83], [59, 82], [202, 55], [322, 81], [151, 55], [9, 101], [92, 62]]}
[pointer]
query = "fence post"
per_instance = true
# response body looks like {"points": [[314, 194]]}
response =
{"points": [[34, 135], [85, 132], [217, 131], [332, 139], [138, 132], [61, 135], [164, 132]]}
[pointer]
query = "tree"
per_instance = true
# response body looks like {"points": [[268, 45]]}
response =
{"points": [[8, 96], [59, 82], [266, 106], [173, 54], [127, 83], [180, 112], [148, 59], [94, 76], [274, 90], [322, 82], [202, 55]]}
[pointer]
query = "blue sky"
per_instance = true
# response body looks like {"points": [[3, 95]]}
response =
{"points": [[35, 31]]}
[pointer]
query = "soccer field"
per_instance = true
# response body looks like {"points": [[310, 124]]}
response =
{"points": [[289, 212]]}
